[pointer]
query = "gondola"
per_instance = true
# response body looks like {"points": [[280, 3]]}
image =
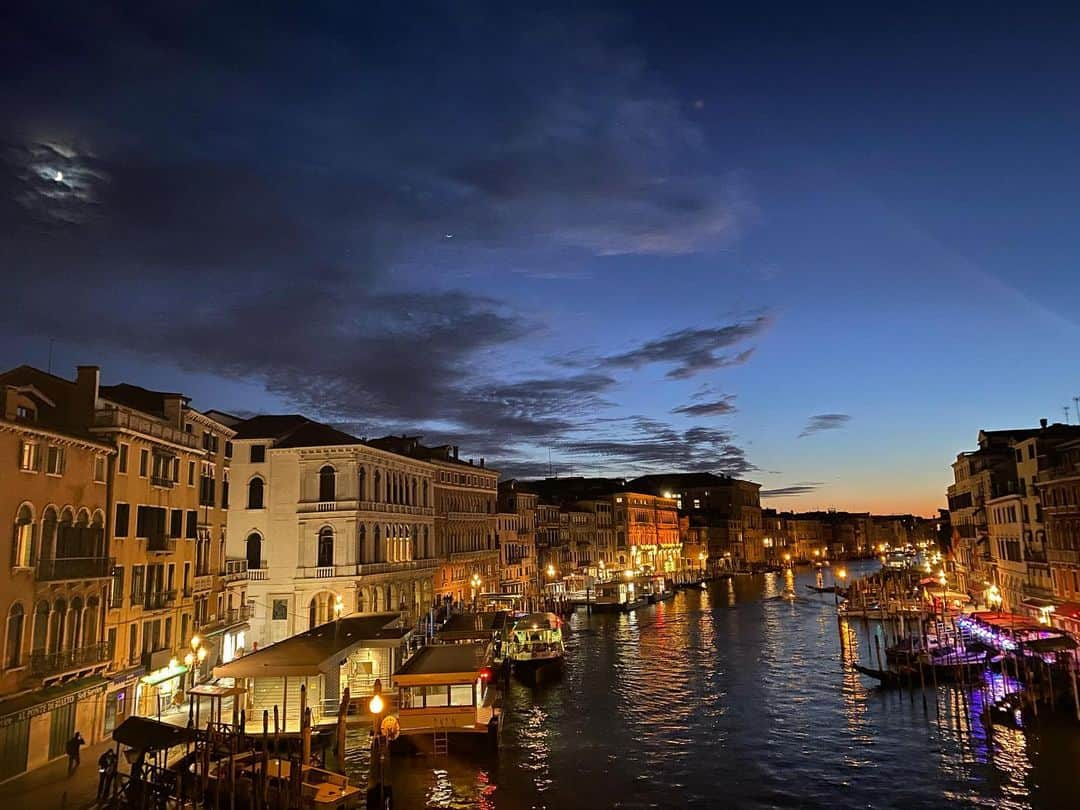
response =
{"points": [[816, 589]]}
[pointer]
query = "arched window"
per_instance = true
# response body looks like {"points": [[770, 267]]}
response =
{"points": [[41, 627], [83, 520], [13, 649], [361, 542], [254, 551], [22, 550], [90, 622], [47, 546], [361, 485], [427, 551], [375, 489], [378, 546], [425, 492], [56, 626], [327, 484], [412, 498], [255, 494], [326, 547], [75, 623]]}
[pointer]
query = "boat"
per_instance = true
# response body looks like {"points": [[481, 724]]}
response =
{"points": [[535, 643], [448, 691], [817, 589], [617, 596]]}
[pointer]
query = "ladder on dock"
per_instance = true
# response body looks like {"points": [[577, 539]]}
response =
{"points": [[440, 744]]}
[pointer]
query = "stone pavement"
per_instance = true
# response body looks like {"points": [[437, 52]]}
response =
{"points": [[50, 787]]}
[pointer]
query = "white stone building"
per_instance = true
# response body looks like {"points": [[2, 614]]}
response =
{"points": [[327, 523]]}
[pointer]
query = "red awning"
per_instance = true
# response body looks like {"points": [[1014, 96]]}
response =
{"points": [[1005, 621], [1068, 610]]}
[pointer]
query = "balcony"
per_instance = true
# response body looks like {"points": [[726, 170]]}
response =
{"points": [[231, 616], [323, 571], [235, 570], [393, 508], [1063, 555], [161, 481], [155, 600], [70, 568], [202, 583], [256, 574], [160, 544], [43, 664], [116, 418], [368, 569]]}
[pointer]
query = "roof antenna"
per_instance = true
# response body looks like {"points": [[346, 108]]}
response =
{"points": [[1076, 402], [1066, 409]]}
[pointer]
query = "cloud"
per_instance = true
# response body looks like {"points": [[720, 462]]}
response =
{"points": [[275, 209], [719, 407], [692, 351], [791, 491], [825, 421]]}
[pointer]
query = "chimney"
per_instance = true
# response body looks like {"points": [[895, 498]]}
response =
{"points": [[84, 403], [174, 411], [481, 462], [470, 462], [1042, 424], [455, 449]]}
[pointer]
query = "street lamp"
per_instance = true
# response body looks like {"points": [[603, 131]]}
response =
{"points": [[942, 581], [993, 598], [475, 582], [376, 707]]}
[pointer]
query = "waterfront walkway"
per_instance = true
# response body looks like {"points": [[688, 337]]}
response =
{"points": [[50, 788]]}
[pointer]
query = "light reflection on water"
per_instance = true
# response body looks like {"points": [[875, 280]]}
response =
{"points": [[728, 697]]}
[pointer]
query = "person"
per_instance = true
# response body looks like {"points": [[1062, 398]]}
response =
{"points": [[106, 773], [73, 746]]}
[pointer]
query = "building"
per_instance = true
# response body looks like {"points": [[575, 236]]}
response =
{"points": [[605, 558], [647, 526], [1058, 485], [729, 507], [54, 591], [517, 552], [465, 496], [328, 525]]}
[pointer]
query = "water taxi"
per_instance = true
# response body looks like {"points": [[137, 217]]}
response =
{"points": [[535, 643], [617, 595], [447, 691]]}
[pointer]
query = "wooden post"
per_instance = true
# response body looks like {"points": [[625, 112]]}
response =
{"points": [[305, 737], [877, 648], [343, 711]]}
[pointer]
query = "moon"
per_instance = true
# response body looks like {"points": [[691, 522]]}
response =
{"points": [[59, 177]]}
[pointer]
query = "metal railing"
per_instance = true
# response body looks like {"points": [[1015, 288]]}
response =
{"points": [[114, 417], [160, 543], [154, 600], [55, 569], [161, 481], [43, 664]]}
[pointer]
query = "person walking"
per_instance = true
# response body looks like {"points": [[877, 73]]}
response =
{"points": [[73, 746], [106, 772]]}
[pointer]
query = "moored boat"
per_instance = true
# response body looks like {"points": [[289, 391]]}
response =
{"points": [[535, 643]]}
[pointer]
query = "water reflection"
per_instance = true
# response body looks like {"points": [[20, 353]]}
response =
{"points": [[728, 696]]}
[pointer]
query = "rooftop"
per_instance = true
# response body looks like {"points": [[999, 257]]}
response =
{"points": [[293, 430], [446, 659], [141, 399]]}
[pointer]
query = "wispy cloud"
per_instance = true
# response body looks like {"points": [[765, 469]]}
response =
{"points": [[720, 407], [792, 490], [824, 421], [692, 351]]}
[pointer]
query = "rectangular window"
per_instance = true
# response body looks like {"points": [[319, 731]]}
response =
{"points": [[176, 470], [25, 414], [137, 585], [281, 609], [461, 695], [54, 464], [191, 473], [123, 515], [258, 453], [168, 632], [29, 457], [228, 449], [192, 525], [144, 462], [117, 585], [176, 528], [99, 469], [1031, 451], [436, 695], [122, 460]]}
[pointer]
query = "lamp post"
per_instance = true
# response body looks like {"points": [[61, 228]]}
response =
{"points": [[942, 581], [993, 598], [376, 707], [476, 582], [842, 575], [787, 559]]}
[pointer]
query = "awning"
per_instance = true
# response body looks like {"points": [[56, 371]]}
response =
{"points": [[42, 701], [1036, 603], [1053, 644], [145, 733], [162, 675], [1068, 610]]}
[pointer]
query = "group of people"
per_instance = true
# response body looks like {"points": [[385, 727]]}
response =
{"points": [[107, 764]]}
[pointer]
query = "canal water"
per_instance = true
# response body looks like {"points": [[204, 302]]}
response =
{"points": [[729, 697]]}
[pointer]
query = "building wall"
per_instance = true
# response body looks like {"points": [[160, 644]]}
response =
{"points": [[465, 507]]}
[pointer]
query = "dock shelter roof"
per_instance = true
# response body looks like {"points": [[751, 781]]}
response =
{"points": [[317, 650], [443, 663], [145, 733], [472, 626]]}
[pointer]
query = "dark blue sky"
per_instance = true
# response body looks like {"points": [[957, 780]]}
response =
{"points": [[818, 247]]}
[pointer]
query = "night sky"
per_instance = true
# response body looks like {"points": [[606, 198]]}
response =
{"points": [[819, 248]]}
